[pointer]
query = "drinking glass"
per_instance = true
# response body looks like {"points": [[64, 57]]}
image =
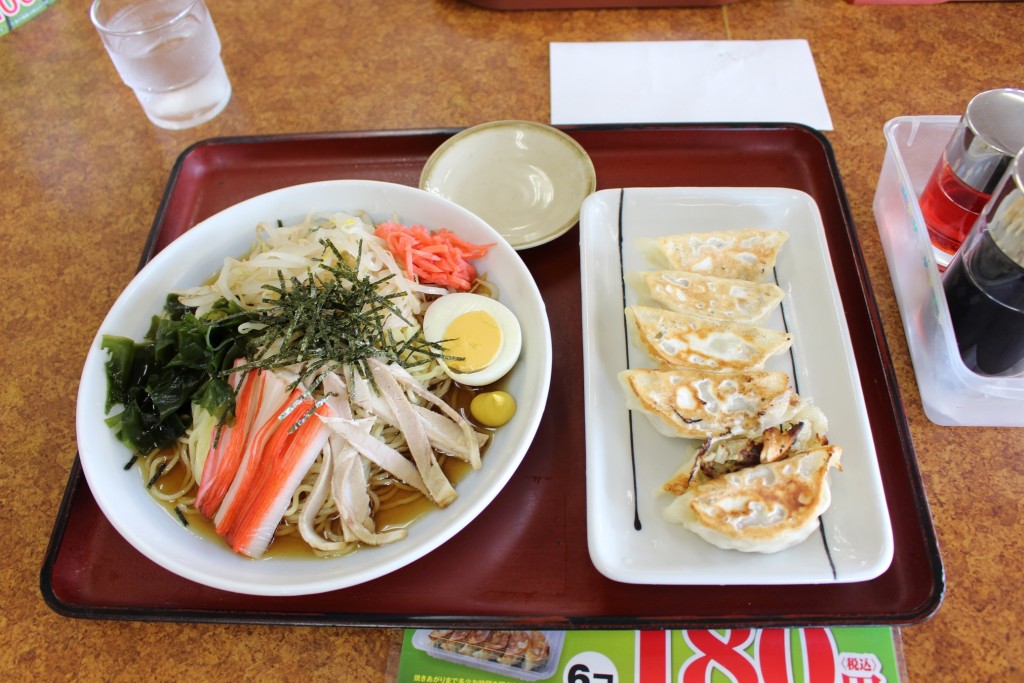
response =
{"points": [[989, 134], [984, 283], [168, 52]]}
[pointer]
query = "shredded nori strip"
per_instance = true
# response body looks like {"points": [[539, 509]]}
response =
{"points": [[156, 475], [333, 318]]}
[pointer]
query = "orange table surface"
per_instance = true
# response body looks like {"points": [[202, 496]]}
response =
{"points": [[84, 171]]}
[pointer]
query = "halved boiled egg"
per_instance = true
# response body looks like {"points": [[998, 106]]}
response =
{"points": [[480, 337]]}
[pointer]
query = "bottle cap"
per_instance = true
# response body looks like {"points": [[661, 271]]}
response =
{"points": [[1004, 215], [990, 135]]}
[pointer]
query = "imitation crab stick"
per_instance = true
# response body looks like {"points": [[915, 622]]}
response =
{"points": [[229, 444], [438, 258], [287, 457], [272, 415]]}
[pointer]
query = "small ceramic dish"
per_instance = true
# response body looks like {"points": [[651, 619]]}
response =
{"points": [[526, 179]]}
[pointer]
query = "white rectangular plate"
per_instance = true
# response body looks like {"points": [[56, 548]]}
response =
{"points": [[627, 460]]}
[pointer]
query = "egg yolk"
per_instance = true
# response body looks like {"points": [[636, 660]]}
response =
{"points": [[475, 338], [492, 408]]}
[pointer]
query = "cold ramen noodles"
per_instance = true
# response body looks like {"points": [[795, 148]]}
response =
{"points": [[299, 395]]}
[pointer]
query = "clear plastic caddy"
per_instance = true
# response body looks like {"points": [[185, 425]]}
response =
{"points": [[952, 394]]}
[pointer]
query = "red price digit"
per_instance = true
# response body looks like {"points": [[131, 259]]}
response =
{"points": [[773, 655], [725, 654], [819, 655]]}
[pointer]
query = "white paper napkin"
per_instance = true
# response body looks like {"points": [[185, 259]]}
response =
{"points": [[735, 81]]}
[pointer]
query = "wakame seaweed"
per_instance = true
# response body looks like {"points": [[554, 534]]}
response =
{"points": [[183, 359]]}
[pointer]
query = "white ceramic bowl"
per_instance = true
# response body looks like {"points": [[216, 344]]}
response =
{"points": [[198, 254], [526, 179]]}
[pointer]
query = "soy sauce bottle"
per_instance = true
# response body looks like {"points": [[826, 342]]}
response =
{"points": [[984, 283]]}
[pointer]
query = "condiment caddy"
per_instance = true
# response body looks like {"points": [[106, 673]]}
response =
{"points": [[952, 394]]}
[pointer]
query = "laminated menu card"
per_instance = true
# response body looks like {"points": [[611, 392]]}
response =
{"points": [[14, 13], [809, 655]]}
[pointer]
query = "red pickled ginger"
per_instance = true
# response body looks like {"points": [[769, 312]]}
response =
{"points": [[438, 258]]}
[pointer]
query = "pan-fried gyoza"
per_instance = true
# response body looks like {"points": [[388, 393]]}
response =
{"points": [[675, 340], [706, 296], [736, 254], [758, 479]]}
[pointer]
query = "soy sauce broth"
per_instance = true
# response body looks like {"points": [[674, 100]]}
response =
{"points": [[399, 517]]}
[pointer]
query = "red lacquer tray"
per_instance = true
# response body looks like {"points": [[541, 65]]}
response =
{"points": [[524, 561]]}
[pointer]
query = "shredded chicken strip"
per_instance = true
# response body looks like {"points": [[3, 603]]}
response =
{"points": [[312, 505], [349, 487], [448, 432], [357, 433], [345, 477], [450, 436], [470, 435], [439, 488]]}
